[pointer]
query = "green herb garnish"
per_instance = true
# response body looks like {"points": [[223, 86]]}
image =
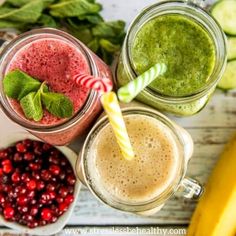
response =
{"points": [[81, 18], [33, 95]]}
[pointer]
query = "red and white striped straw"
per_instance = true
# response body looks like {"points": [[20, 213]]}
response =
{"points": [[101, 85]]}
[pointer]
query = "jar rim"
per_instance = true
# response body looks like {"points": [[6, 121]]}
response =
{"points": [[92, 96], [82, 165], [220, 46]]}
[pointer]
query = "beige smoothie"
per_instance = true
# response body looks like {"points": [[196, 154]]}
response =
{"points": [[150, 173]]}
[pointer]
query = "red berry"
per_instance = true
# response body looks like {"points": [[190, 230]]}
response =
{"points": [[29, 156], [1, 172], [63, 191], [20, 147], [71, 179], [63, 207], [34, 166], [46, 146], [17, 157], [3, 154], [6, 162], [69, 199], [52, 194], [32, 224], [45, 175], [15, 177], [22, 200], [27, 143], [54, 169], [7, 169], [40, 185], [8, 212], [46, 214], [31, 185], [31, 194], [22, 209], [59, 199], [33, 211], [2, 199], [25, 177], [51, 187]]}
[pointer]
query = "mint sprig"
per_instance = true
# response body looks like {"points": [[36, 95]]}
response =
{"points": [[33, 95]]}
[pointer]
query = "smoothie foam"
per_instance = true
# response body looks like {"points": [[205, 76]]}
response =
{"points": [[151, 171], [54, 61]]}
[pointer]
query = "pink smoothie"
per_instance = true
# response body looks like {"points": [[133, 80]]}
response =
{"points": [[56, 62]]}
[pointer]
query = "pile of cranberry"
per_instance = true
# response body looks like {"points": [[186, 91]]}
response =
{"points": [[36, 183]]}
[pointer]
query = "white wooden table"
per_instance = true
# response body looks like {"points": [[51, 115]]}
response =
{"points": [[210, 129]]}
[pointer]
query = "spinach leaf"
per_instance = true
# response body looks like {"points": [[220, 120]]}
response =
{"points": [[74, 8], [47, 21], [109, 46], [29, 13]]}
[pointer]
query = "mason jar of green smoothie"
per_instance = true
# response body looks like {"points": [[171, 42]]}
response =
{"points": [[192, 45]]}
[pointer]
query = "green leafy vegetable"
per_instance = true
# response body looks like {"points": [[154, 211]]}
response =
{"points": [[32, 106], [74, 8], [57, 104], [81, 18], [18, 84], [31, 94], [29, 13]]}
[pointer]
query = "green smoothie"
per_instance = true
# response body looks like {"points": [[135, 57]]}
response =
{"points": [[183, 45]]}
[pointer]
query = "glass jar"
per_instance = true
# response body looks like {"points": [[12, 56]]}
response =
{"points": [[89, 174], [185, 105], [75, 126]]}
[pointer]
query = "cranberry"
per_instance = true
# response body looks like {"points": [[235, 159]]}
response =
{"points": [[62, 175], [29, 156], [2, 199], [32, 224], [3, 154], [59, 199], [36, 175], [46, 214], [20, 147], [46, 146], [40, 185], [22, 200], [22, 209], [42, 222], [70, 179], [63, 207], [6, 162], [54, 160], [31, 194], [63, 191], [15, 177], [52, 194], [45, 197], [31, 185], [45, 175], [54, 219], [69, 199], [8, 212], [7, 169], [63, 162], [34, 166], [54, 169], [51, 187], [33, 211], [38, 150], [25, 177], [27, 217], [17, 157], [71, 189], [1, 172], [27, 143], [20, 190]]}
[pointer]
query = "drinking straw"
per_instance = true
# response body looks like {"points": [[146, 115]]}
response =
{"points": [[129, 91], [111, 106], [101, 85]]}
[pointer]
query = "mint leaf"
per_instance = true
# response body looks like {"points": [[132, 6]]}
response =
{"points": [[57, 104], [32, 106], [18, 84]]}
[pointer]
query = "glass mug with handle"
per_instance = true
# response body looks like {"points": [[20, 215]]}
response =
{"points": [[157, 171]]}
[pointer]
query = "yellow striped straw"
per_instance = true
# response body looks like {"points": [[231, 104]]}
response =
{"points": [[111, 106]]}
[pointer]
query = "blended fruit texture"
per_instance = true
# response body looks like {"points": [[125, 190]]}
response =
{"points": [[153, 168], [184, 46], [56, 62]]}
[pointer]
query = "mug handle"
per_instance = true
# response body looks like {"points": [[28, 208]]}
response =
{"points": [[190, 188]]}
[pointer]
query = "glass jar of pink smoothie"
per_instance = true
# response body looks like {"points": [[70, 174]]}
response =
{"points": [[55, 57]]}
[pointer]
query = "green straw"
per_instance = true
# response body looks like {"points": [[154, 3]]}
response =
{"points": [[128, 92]]}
